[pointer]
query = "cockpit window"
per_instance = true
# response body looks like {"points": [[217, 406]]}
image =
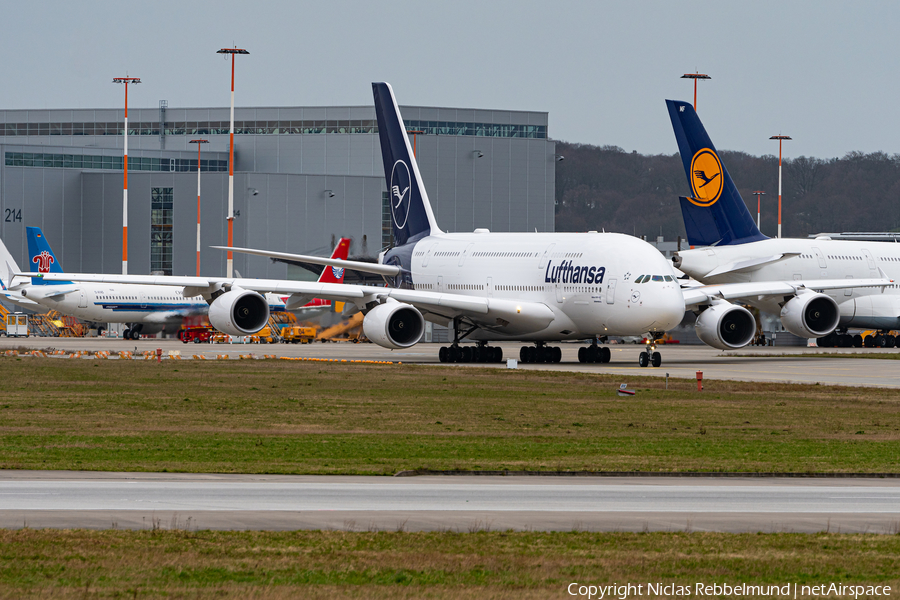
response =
{"points": [[639, 277], [669, 278], [646, 279], [657, 278]]}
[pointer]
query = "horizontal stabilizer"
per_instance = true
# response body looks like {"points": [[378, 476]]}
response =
{"points": [[750, 264]]}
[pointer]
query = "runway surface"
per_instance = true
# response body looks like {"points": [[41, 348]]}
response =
{"points": [[468, 503]]}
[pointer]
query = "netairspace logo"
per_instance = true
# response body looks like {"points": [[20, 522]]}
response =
{"points": [[788, 590]]}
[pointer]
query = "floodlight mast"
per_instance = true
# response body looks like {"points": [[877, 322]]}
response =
{"points": [[229, 263], [695, 77], [758, 193], [780, 139], [126, 81], [199, 145]]}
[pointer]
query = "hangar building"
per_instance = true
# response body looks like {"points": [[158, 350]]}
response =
{"points": [[304, 176]]}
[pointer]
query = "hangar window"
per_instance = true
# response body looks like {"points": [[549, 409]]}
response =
{"points": [[161, 221]]}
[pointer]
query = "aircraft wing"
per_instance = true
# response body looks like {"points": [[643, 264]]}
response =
{"points": [[353, 265], [505, 316], [750, 264], [756, 289]]}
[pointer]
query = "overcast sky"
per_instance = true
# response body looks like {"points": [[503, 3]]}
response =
{"points": [[824, 72]]}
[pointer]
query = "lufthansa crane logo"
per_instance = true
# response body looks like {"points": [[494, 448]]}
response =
{"points": [[400, 193], [706, 177]]}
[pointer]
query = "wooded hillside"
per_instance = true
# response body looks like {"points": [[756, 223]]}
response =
{"points": [[607, 188]]}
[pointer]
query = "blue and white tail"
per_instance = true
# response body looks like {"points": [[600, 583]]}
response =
{"points": [[715, 213], [411, 214], [40, 255]]}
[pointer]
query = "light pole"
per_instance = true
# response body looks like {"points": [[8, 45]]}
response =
{"points": [[757, 194], [695, 77], [229, 264], [126, 81], [199, 145], [780, 139]]}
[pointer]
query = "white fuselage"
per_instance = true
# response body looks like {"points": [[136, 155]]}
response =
{"points": [[123, 303], [810, 259], [586, 279]]}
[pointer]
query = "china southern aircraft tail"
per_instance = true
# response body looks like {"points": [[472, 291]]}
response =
{"points": [[715, 213], [40, 256], [411, 214]]}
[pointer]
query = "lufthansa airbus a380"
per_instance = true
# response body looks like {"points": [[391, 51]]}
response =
{"points": [[529, 287], [730, 249]]}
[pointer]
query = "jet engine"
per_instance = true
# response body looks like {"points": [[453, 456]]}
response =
{"points": [[809, 315], [239, 312], [394, 325], [725, 326]]}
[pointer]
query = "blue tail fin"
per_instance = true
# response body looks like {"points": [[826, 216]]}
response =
{"points": [[715, 214], [411, 213], [40, 256]]}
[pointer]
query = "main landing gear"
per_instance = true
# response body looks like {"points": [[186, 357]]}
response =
{"points": [[650, 356], [842, 339], [133, 332], [480, 353], [593, 353], [539, 353]]}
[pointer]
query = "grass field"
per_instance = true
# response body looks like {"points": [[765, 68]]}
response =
{"points": [[180, 564], [289, 417]]}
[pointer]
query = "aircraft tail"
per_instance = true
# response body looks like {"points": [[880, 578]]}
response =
{"points": [[41, 255], [411, 214], [715, 213], [8, 266], [336, 274]]}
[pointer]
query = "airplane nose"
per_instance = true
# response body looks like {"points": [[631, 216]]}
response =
{"points": [[669, 310]]}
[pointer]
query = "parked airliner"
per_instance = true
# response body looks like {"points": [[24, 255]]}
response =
{"points": [[731, 249], [529, 287], [144, 308]]}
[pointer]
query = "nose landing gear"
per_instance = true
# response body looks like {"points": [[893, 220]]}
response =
{"points": [[650, 356]]}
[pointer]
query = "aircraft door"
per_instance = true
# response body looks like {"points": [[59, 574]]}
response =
{"points": [[428, 254], [546, 256], [821, 258], [849, 291], [82, 300], [489, 287], [559, 292], [873, 270], [440, 283], [462, 257], [143, 301], [611, 292]]}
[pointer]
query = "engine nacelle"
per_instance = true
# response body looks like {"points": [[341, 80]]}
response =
{"points": [[725, 326], [394, 325], [810, 315], [239, 312]]}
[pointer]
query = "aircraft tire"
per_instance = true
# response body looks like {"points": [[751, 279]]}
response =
{"points": [[557, 354], [466, 354], [581, 353], [126, 335], [605, 354], [442, 354], [869, 341], [890, 341], [879, 341], [453, 353], [857, 341], [643, 359], [656, 359], [498, 354]]}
